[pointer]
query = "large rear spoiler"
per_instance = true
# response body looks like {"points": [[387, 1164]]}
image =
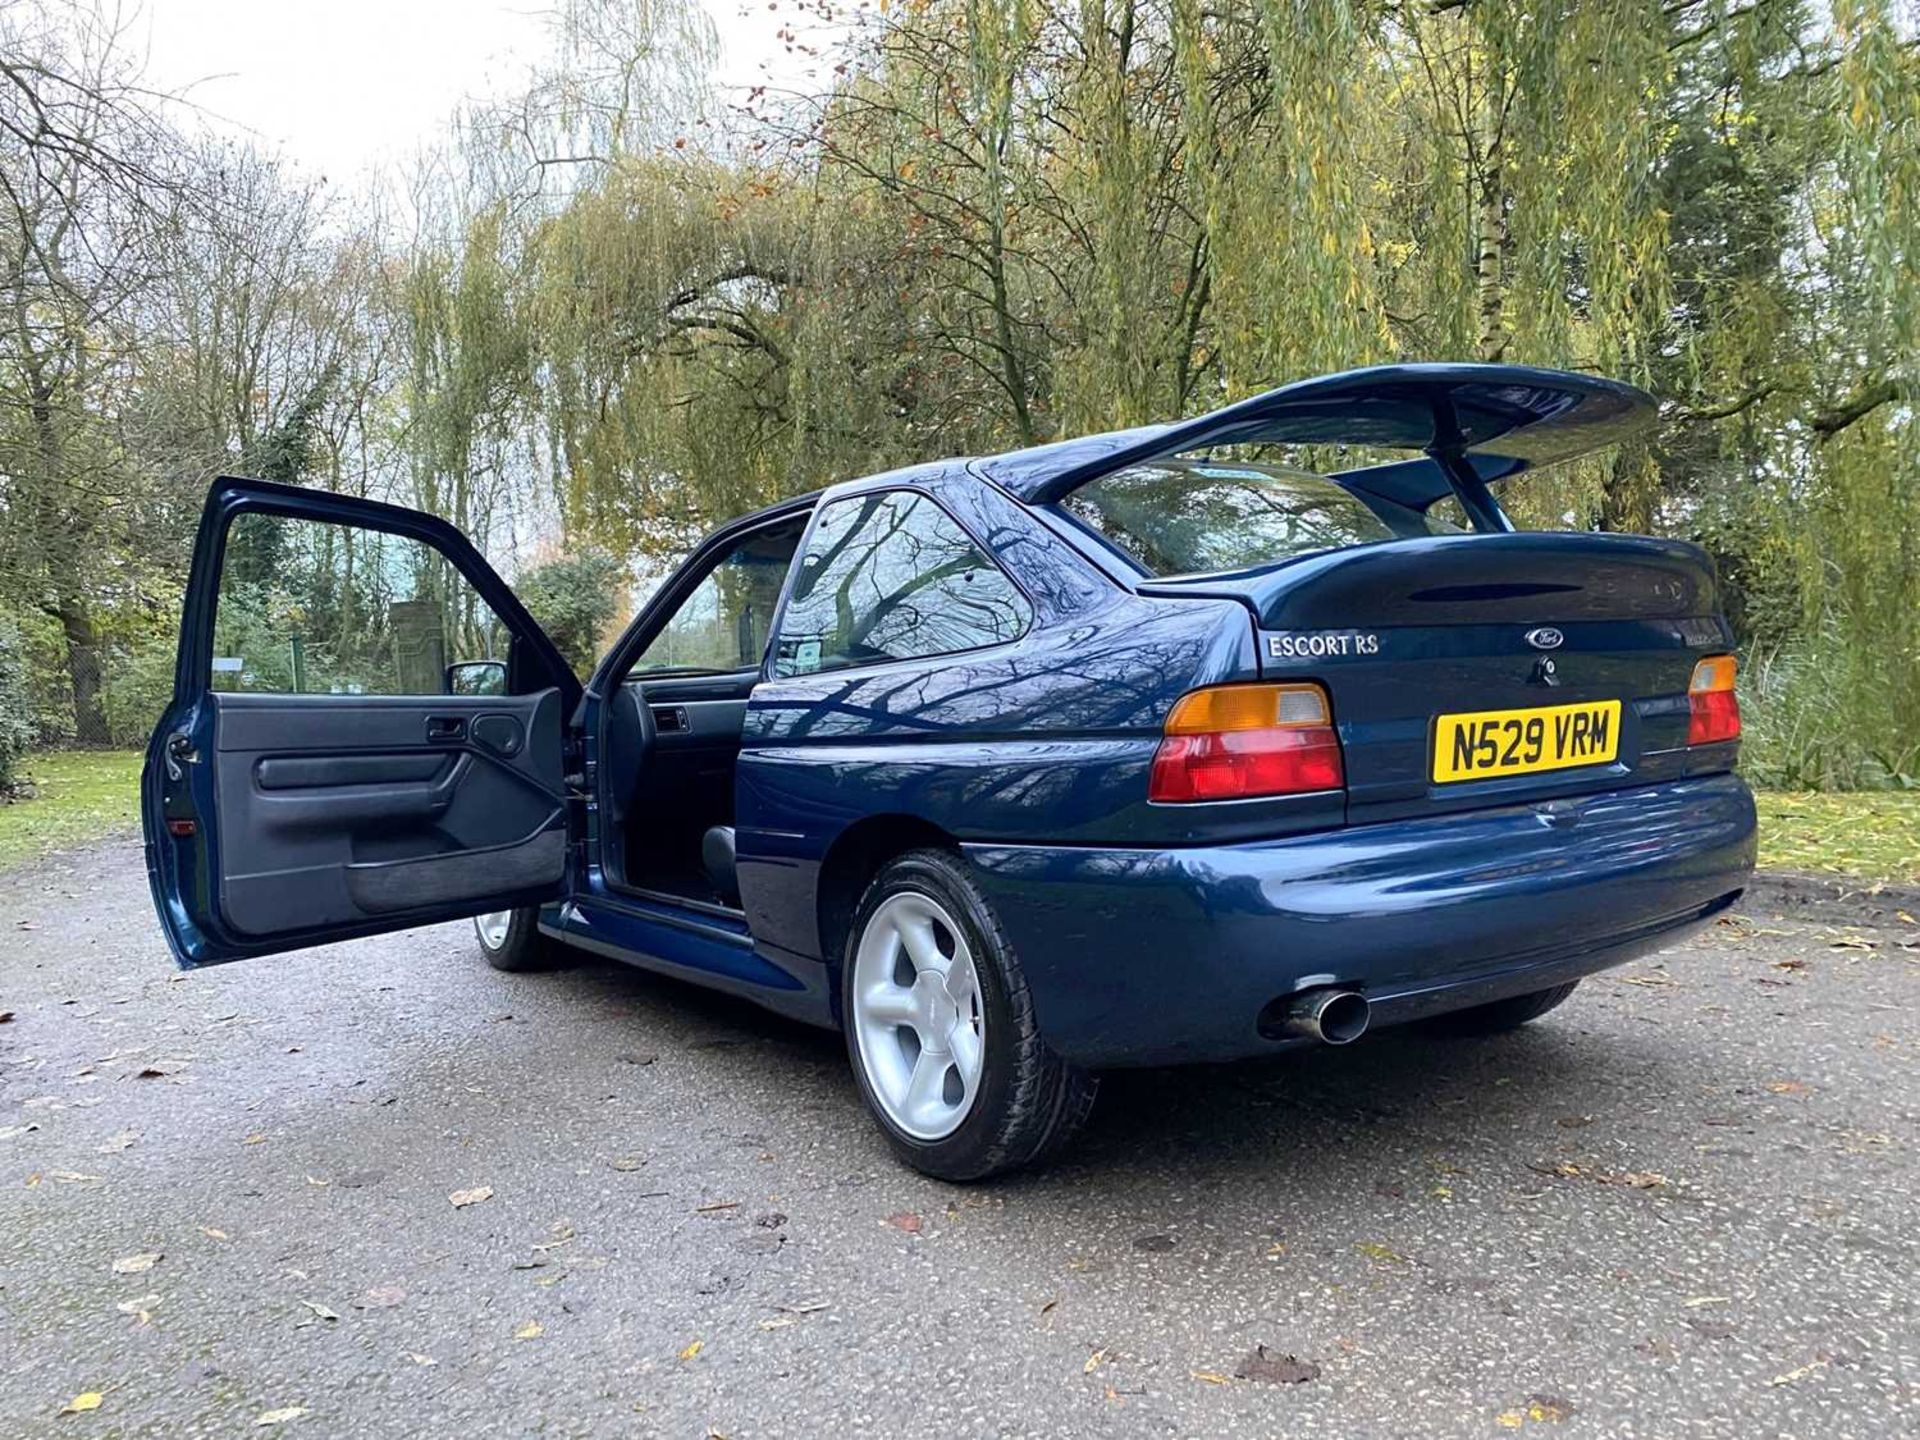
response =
{"points": [[1471, 424]]}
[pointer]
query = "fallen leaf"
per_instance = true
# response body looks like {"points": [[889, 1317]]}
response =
{"points": [[7, 1132], [320, 1312], [460, 1199], [380, 1297], [257, 1138], [1788, 1087], [1210, 1377], [79, 1405], [532, 1330], [1263, 1365], [626, 1163], [137, 1264], [280, 1416], [692, 1350], [138, 1306], [1094, 1362], [905, 1221], [213, 1234], [1384, 1254], [1548, 1409], [421, 1359], [6, 1017], [1510, 1419], [1799, 1374]]}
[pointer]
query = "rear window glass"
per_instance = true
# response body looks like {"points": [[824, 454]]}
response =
{"points": [[1192, 519]]}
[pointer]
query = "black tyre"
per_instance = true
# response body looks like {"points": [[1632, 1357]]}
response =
{"points": [[940, 1028], [511, 941], [1508, 1014]]}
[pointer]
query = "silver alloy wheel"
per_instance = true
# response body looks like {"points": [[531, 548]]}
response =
{"points": [[493, 928], [919, 1019]]}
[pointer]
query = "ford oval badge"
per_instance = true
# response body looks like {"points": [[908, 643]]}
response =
{"points": [[1545, 638]]}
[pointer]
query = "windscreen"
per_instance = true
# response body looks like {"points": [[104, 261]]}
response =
{"points": [[1193, 518]]}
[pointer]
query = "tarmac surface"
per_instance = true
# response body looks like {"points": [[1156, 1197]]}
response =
{"points": [[1682, 1204]]}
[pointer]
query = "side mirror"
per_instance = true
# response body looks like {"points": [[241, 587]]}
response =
{"points": [[477, 677]]}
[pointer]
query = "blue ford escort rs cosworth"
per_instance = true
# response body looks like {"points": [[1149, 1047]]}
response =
{"points": [[1115, 751]]}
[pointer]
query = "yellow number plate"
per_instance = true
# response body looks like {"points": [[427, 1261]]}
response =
{"points": [[1491, 743]]}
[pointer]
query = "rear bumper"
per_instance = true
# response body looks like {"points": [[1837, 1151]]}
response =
{"points": [[1139, 957]]}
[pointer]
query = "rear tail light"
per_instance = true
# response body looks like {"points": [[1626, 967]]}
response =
{"points": [[1713, 712], [1235, 742]]}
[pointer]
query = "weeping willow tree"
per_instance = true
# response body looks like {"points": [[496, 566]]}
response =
{"points": [[1009, 220]]}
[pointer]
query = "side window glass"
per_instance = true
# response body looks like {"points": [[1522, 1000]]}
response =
{"points": [[308, 607], [892, 576], [723, 625], [1445, 517]]}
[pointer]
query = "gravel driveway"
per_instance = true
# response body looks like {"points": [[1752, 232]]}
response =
{"points": [[1683, 1204]]}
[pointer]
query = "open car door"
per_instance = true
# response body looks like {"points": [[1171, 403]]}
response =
{"points": [[367, 732]]}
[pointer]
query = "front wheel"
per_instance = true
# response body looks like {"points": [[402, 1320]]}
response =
{"points": [[940, 1028], [511, 940], [1502, 1015]]}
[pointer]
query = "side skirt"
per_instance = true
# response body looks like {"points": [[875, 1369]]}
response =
{"points": [[706, 949]]}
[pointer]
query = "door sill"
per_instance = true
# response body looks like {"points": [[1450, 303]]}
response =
{"points": [[682, 902]]}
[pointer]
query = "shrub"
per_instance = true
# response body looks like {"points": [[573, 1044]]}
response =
{"points": [[17, 727], [135, 688], [1815, 716], [575, 598]]}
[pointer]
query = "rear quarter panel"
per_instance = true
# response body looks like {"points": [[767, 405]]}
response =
{"points": [[1046, 738]]}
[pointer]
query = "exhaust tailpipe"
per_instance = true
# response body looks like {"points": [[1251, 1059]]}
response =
{"points": [[1333, 1017]]}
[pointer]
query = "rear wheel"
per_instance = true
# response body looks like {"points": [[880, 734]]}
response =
{"points": [[940, 1028], [1508, 1014], [511, 940]]}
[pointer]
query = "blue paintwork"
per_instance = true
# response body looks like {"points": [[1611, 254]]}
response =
{"points": [[1421, 914], [1507, 418], [1158, 932]]}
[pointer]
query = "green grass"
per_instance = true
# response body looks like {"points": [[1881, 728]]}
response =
{"points": [[85, 795], [1874, 834], [82, 795]]}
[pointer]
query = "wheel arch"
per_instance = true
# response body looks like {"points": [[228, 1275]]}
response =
{"points": [[849, 866]]}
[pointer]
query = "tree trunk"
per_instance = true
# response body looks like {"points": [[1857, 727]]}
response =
{"points": [[1490, 264], [83, 672], [1631, 487]]}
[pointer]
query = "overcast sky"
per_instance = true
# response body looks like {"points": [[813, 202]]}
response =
{"points": [[343, 84]]}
